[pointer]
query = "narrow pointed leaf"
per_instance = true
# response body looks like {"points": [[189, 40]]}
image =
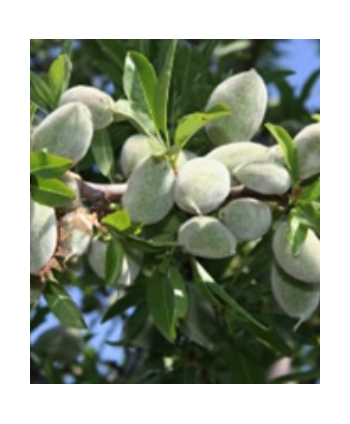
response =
{"points": [[191, 124], [148, 79], [180, 292], [161, 304], [162, 89], [289, 150], [102, 151], [43, 164], [114, 261], [51, 192], [63, 306], [59, 77]]}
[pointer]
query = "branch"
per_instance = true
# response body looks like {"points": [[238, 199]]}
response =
{"points": [[94, 192]]}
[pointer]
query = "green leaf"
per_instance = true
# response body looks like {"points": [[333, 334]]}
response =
{"points": [[148, 79], [191, 124], [273, 75], [59, 77], [114, 50], [133, 113], [45, 165], [310, 213], [308, 86], [199, 325], [227, 49], [114, 261], [316, 117], [162, 90], [131, 298], [51, 192], [312, 192], [300, 377], [161, 304], [103, 154], [33, 109], [221, 294], [296, 233], [40, 93], [119, 220], [271, 340], [203, 279], [67, 47], [289, 150], [62, 306], [131, 83], [135, 323], [180, 292]]}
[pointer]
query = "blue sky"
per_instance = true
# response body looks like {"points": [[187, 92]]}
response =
{"points": [[301, 55]]}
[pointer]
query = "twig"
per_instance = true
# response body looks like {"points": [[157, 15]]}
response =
{"points": [[95, 192]]}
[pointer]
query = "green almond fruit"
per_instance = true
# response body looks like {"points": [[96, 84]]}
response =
{"points": [[246, 95], [248, 219], [43, 235], [150, 193], [76, 228], [73, 184], [235, 154], [309, 150], [137, 147], [206, 237], [66, 132], [59, 344], [296, 299], [99, 103], [202, 185], [184, 156], [264, 177], [306, 265], [276, 155], [131, 265]]}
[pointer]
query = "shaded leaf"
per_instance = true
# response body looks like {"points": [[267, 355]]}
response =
{"points": [[180, 292], [33, 109], [133, 113], [203, 279], [161, 304], [114, 50], [103, 154], [40, 93], [62, 306], [148, 79], [162, 90], [114, 261], [132, 85], [131, 298], [199, 325]]}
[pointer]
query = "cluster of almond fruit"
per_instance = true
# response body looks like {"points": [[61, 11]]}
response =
{"points": [[199, 186]]}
